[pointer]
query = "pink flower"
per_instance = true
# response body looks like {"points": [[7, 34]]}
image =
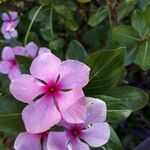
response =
{"points": [[10, 21], [9, 64], [53, 90], [31, 49], [94, 131], [29, 141]]}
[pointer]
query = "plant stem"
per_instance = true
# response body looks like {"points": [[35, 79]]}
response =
{"points": [[32, 21]]}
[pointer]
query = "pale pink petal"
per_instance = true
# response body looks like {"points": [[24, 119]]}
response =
{"points": [[31, 49], [27, 141], [57, 141], [5, 67], [96, 112], [73, 74], [45, 67], [4, 27], [14, 33], [7, 35], [25, 88], [41, 115], [13, 15], [5, 17], [72, 105], [96, 135], [43, 50], [78, 145], [7, 53], [14, 72], [19, 50]]}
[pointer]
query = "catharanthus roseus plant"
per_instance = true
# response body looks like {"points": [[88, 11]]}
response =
{"points": [[72, 73]]}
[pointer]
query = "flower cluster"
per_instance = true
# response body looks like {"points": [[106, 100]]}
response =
{"points": [[54, 96], [53, 92], [10, 22], [9, 64]]}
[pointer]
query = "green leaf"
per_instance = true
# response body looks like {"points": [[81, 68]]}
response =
{"points": [[43, 14], [24, 62], [114, 141], [135, 98], [139, 23], [143, 3], [106, 69], [147, 15], [125, 36], [125, 8], [56, 44], [4, 84], [10, 115], [143, 55], [93, 37], [98, 17], [67, 16], [116, 109], [76, 51], [84, 1]]}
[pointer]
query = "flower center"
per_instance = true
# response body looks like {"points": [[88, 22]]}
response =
{"points": [[52, 89], [75, 132], [14, 62]]}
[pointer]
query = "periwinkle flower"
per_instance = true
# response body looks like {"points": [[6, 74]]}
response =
{"points": [[30, 50], [9, 64], [94, 131], [10, 22], [53, 90], [29, 141]]}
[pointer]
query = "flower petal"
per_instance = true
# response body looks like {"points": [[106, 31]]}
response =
{"points": [[43, 50], [72, 105], [5, 67], [14, 72], [73, 74], [31, 49], [13, 15], [14, 33], [97, 135], [78, 145], [41, 115], [25, 88], [57, 141], [5, 17], [45, 67], [27, 141], [7, 35], [19, 50], [7, 53], [96, 112]]}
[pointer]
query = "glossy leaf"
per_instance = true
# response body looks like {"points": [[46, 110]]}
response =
{"points": [[147, 15], [10, 115], [143, 55], [135, 98], [114, 142], [106, 69], [98, 17], [125, 8], [116, 109], [125, 36], [67, 16], [139, 23], [43, 14], [76, 51]]}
